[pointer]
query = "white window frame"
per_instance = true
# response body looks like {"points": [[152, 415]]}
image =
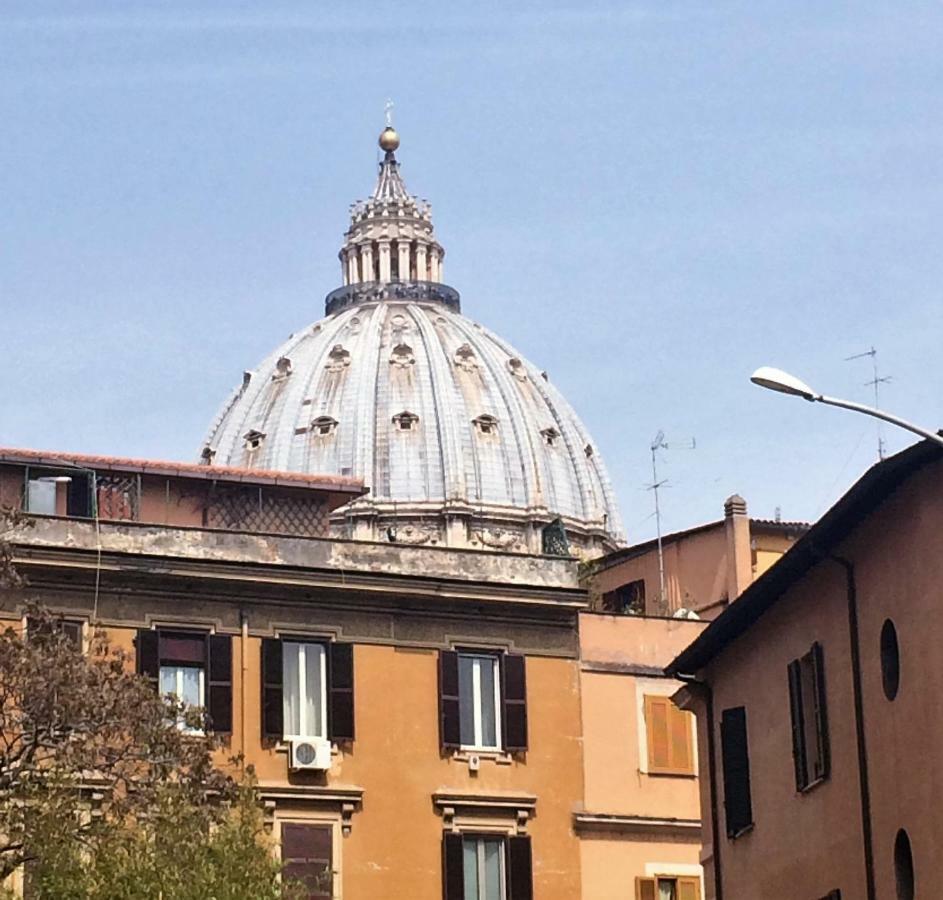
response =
{"points": [[477, 659], [301, 687], [177, 692], [480, 840]]}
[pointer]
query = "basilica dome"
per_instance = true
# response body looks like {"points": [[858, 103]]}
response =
{"points": [[460, 440]]}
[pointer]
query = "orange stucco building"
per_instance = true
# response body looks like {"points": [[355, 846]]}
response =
{"points": [[413, 713], [639, 824], [816, 697], [705, 567]]}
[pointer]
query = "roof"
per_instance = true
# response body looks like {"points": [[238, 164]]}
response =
{"points": [[859, 502], [635, 550], [337, 483]]}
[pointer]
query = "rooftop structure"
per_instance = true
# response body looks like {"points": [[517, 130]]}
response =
{"points": [[460, 440]]}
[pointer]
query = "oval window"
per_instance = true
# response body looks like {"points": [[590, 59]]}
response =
{"points": [[890, 660], [904, 866]]}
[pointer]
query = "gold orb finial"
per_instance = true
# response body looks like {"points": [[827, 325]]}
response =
{"points": [[389, 139]]}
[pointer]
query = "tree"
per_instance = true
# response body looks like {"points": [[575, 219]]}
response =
{"points": [[102, 793]]}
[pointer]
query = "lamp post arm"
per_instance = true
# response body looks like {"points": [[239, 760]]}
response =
{"points": [[878, 414]]}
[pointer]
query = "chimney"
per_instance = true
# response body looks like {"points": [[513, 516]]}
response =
{"points": [[739, 552]]}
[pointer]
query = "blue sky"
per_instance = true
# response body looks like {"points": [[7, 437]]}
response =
{"points": [[649, 199]]}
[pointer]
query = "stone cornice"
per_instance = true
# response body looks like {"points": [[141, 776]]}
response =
{"points": [[649, 826]]}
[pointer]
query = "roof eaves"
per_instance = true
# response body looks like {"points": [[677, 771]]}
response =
{"points": [[858, 502]]}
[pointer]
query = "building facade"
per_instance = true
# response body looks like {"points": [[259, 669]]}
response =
{"points": [[705, 567], [816, 697], [639, 825], [412, 713]]}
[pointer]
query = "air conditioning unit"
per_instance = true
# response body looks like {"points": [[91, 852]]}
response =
{"points": [[309, 753]]}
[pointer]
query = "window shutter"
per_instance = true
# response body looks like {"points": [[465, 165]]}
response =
{"points": [[798, 725], [453, 872], [148, 658], [514, 688], [520, 868], [738, 805], [680, 740], [823, 761], [341, 690], [449, 713], [79, 497], [689, 889], [646, 889], [272, 713], [656, 729], [307, 852], [219, 677]]}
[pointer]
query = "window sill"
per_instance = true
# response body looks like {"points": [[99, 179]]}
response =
{"points": [[283, 746], [812, 785], [499, 757], [742, 832], [661, 773]]}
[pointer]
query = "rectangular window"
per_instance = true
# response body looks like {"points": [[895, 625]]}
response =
{"points": [[668, 888], [41, 496], [810, 747], [626, 600], [738, 804], [304, 696], [71, 629], [669, 734], [194, 667], [479, 690], [307, 854], [483, 859]]}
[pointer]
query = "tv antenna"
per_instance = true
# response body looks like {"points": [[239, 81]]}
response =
{"points": [[875, 383], [659, 443]]}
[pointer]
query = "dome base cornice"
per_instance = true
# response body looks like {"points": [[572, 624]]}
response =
{"points": [[380, 291]]}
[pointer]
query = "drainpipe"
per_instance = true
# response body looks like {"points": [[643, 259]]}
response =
{"points": [[243, 654], [707, 694], [863, 780]]}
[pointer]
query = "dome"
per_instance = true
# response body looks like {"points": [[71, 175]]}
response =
{"points": [[460, 439]]}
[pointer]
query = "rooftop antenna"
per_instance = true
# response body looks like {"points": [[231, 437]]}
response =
{"points": [[659, 443], [875, 382]]}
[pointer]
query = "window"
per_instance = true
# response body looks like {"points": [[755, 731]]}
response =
{"points": [[486, 867], [486, 424], [307, 855], [482, 700], [194, 667], [890, 660], [626, 600], [810, 749], [550, 436], [41, 496], [668, 888], [479, 690], [253, 440], [307, 685], [904, 866], [323, 425], [304, 698], [42, 493], [406, 421], [669, 736], [71, 629], [738, 804]]}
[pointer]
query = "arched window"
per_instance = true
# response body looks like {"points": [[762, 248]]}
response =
{"points": [[486, 424]]}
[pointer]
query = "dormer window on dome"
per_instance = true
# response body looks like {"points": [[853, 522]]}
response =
{"points": [[253, 440], [282, 368], [406, 421], [206, 455], [338, 359], [323, 425], [550, 436], [486, 424], [402, 356]]}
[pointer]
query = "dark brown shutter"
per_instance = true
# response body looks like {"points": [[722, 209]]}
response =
{"points": [[341, 692], [219, 702], [453, 867], [272, 713], [520, 865], [823, 760], [148, 659], [798, 724], [514, 687], [450, 723], [738, 804]]}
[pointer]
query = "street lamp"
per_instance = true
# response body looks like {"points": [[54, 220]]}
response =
{"points": [[777, 380]]}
